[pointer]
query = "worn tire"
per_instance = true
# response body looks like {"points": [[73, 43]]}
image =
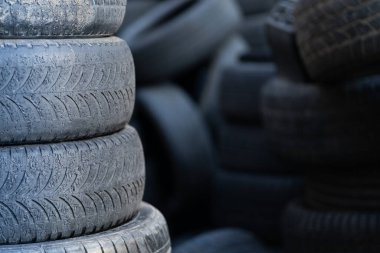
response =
{"points": [[324, 126], [247, 148], [253, 202], [55, 191], [223, 240], [240, 88], [282, 40], [60, 90], [176, 133], [228, 54], [338, 39], [316, 231], [354, 189], [146, 232], [178, 34], [60, 19]]}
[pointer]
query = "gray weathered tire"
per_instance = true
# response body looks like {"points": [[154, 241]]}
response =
{"points": [[178, 34], [59, 90], [338, 40], [62, 190], [146, 232], [60, 19]]}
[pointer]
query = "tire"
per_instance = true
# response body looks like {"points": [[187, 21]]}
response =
{"points": [[63, 190], [355, 189], [60, 19], [146, 232], [324, 126], [253, 30], [253, 202], [247, 149], [177, 35], [210, 106], [282, 40], [338, 39], [136, 9], [255, 6], [61, 90], [223, 240], [240, 88], [309, 230], [177, 136]]}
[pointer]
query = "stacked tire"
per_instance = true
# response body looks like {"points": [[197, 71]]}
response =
{"points": [[253, 186], [72, 173], [327, 123]]}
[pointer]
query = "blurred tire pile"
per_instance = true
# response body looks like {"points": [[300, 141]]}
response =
{"points": [[72, 173]]}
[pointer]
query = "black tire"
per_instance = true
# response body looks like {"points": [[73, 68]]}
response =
{"points": [[62, 190], [324, 126], [247, 148], [282, 40], [253, 202], [62, 19], [178, 34], [314, 231], [353, 189], [178, 137], [240, 88], [256, 6], [228, 54], [60, 90], [146, 232], [136, 9], [338, 39], [223, 240], [253, 30]]}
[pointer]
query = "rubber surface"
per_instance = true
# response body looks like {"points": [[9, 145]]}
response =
{"points": [[59, 90], [223, 240], [247, 148], [228, 54], [136, 9], [253, 202], [282, 40], [60, 19], [177, 136], [240, 88], [255, 6], [350, 189], [309, 230], [324, 126], [146, 232], [177, 35], [63, 190], [338, 39]]}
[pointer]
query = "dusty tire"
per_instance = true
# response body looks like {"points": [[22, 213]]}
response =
{"points": [[60, 90], [223, 240], [240, 88], [62, 190], [315, 231], [282, 40], [146, 232], [324, 126], [253, 202], [60, 19], [338, 39], [178, 34]]}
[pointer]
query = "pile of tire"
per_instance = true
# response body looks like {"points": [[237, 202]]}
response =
{"points": [[323, 115], [72, 173]]}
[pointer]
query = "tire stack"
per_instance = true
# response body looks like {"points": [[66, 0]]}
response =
{"points": [[328, 123], [253, 186], [72, 174]]}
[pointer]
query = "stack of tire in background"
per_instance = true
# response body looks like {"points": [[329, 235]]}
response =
{"points": [[72, 175], [254, 185], [329, 124]]}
